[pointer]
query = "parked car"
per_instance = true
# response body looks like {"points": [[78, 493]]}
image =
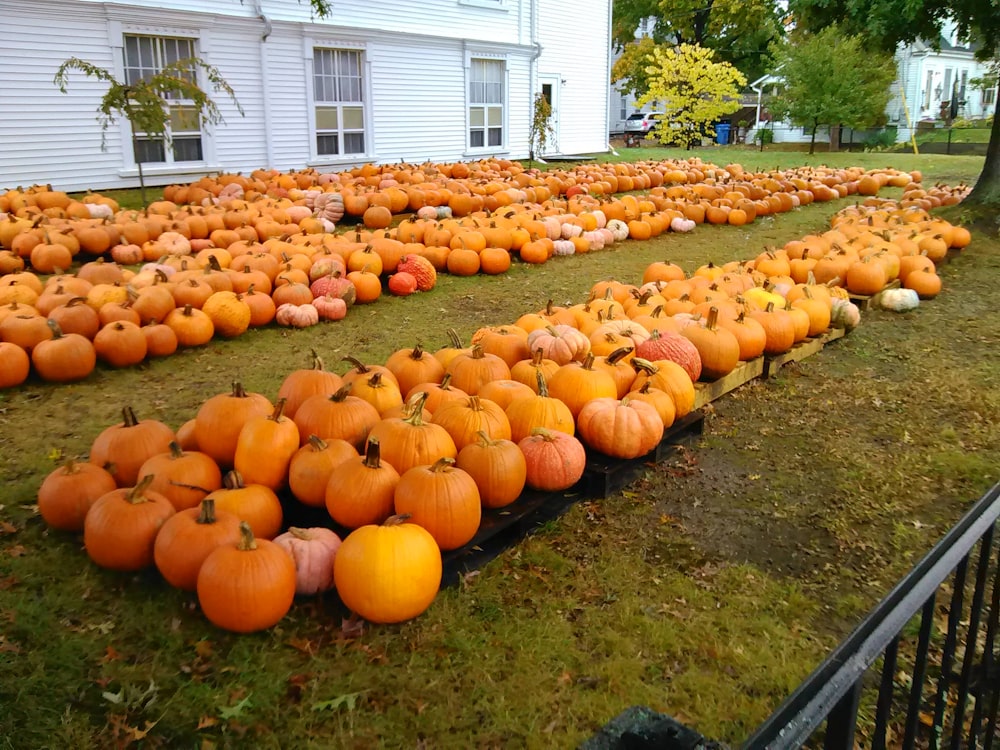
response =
{"points": [[642, 122]]}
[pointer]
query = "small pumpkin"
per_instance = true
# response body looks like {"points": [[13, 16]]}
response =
{"points": [[121, 526], [497, 467], [627, 428], [443, 499], [554, 461], [127, 446], [248, 586], [312, 466], [360, 490], [188, 537], [67, 493], [296, 316], [185, 478], [313, 551]]}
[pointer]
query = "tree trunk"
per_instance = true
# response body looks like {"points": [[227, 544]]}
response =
{"points": [[987, 189], [812, 141], [835, 137]]}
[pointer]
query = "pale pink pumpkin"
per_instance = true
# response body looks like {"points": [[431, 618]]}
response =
{"points": [[313, 551]]}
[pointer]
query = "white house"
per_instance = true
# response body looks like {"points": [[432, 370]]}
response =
{"points": [[927, 82], [379, 82]]}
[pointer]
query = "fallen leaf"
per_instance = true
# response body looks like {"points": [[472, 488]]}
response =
{"points": [[140, 734], [206, 722], [348, 701], [110, 654], [17, 550], [203, 648], [304, 645], [7, 528], [231, 712], [352, 627]]}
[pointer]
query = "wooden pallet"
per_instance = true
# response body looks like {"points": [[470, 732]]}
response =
{"points": [[800, 351], [504, 527], [871, 301], [705, 393]]}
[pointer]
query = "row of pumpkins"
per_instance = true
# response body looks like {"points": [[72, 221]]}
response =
{"points": [[193, 291], [50, 230], [405, 455]]}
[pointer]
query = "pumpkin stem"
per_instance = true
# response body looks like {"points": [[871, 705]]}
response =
{"points": [[278, 408], [317, 361], [56, 330], [770, 307], [342, 392], [137, 494], [588, 361], [360, 366], [544, 433], [645, 387], [456, 341], [238, 390], [317, 443], [415, 417], [375, 381], [713, 317], [247, 542], [417, 353], [233, 480], [129, 415], [618, 355], [396, 520], [207, 513], [175, 450], [446, 382], [373, 454], [477, 352], [536, 357], [543, 387], [300, 533], [641, 365], [484, 439], [442, 463]]}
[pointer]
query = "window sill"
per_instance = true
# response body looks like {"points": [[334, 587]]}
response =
{"points": [[336, 161], [479, 153], [171, 169]]}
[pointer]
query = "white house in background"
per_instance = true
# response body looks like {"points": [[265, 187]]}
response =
{"points": [[620, 103], [376, 82], [926, 82]]}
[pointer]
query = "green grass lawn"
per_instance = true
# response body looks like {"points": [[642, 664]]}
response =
{"points": [[707, 589]]}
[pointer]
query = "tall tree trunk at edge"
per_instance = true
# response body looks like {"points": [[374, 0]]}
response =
{"points": [[987, 189], [812, 141]]}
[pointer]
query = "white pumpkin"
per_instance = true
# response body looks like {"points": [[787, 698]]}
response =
{"points": [[680, 224], [899, 300], [844, 314]]}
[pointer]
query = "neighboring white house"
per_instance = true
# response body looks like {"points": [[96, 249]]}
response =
{"points": [[927, 80], [382, 82]]}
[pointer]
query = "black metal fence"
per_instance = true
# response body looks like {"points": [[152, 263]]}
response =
{"points": [[922, 670]]}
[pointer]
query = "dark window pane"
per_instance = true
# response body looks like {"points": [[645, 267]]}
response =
{"points": [[326, 144], [187, 149], [354, 143], [496, 136], [477, 138], [149, 151]]}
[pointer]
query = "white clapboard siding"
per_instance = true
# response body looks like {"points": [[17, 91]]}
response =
{"points": [[416, 91], [576, 50]]}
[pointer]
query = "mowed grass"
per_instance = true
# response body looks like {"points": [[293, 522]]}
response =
{"points": [[706, 590]]}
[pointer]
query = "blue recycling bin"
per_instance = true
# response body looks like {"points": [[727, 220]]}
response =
{"points": [[722, 133]]}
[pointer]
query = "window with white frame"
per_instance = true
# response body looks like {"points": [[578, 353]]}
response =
{"points": [[486, 95], [145, 56], [989, 95], [338, 92]]}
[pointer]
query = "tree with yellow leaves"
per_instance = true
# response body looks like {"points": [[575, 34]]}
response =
{"points": [[691, 89]]}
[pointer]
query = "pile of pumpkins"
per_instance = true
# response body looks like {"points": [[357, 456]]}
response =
{"points": [[402, 457]]}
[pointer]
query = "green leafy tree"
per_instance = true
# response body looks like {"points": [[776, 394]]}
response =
{"points": [[693, 91], [887, 23], [146, 103], [740, 31], [832, 79]]}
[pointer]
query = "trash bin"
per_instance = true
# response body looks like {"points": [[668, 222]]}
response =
{"points": [[722, 133]]}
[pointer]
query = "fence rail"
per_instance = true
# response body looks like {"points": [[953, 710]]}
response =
{"points": [[943, 690]]}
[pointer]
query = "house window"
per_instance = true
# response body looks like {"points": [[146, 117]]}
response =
{"points": [[989, 96], [145, 56], [486, 103], [338, 91], [928, 87]]}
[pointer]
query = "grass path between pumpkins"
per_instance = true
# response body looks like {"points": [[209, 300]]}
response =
{"points": [[707, 589]]}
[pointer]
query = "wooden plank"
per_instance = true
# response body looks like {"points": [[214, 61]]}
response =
{"points": [[705, 393], [800, 351], [870, 301]]}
